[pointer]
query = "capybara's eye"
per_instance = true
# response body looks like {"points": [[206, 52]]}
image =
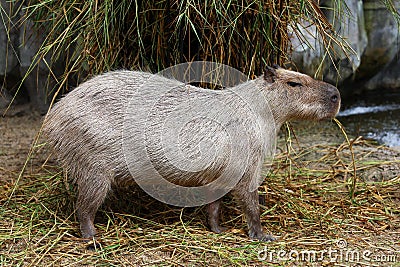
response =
{"points": [[294, 84]]}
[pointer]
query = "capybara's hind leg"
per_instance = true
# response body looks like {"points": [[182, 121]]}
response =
{"points": [[91, 195], [213, 216]]}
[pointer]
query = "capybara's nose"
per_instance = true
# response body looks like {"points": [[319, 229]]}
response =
{"points": [[333, 94], [335, 98]]}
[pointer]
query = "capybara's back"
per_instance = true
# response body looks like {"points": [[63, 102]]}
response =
{"points": [[85, 127]]}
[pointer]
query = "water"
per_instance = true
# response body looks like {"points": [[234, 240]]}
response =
{"points": [[374, 115]]}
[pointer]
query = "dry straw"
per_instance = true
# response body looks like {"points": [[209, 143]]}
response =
{"points": [[309, 204], [95, 36], [314, 195]]}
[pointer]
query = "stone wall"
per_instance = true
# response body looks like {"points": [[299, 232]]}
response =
{"points": [[367, 26], [373, 35], [19, 44]]}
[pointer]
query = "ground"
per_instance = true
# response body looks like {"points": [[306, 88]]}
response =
{"points": [[321, 218]]}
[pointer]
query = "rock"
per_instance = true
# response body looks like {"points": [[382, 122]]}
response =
{"points": [[8, 39], [382, 58], [389, 77], [307, 49], [38, 80], [5, 98], [383, 39], [350, 25], [19, 44], [371, 31], [309, 53]]}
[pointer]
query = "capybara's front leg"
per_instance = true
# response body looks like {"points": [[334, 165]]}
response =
{"points": [[250, 205]]}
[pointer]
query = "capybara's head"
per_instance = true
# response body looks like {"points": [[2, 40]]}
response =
{"points": [[300, 96]]}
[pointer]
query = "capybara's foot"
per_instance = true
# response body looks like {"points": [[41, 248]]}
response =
{"points": [[92, 244], [87, 228], [213, 217], [218, 229], [262, 237]]}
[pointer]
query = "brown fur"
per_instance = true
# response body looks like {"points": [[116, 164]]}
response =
{"points": [[85, 130]]}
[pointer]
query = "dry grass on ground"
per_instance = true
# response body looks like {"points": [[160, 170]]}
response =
{"points": [[308, 205]]}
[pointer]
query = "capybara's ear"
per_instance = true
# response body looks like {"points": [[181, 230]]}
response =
{"points": [[276, 66], [270, 74]]}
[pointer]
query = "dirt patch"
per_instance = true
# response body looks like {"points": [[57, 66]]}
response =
{"points": [[374, 162], [18, 129]]}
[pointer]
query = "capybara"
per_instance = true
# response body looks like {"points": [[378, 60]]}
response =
{"points": [[86, 127]]}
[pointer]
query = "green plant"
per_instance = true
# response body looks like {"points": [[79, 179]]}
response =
{"points": [[95, 36]]}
